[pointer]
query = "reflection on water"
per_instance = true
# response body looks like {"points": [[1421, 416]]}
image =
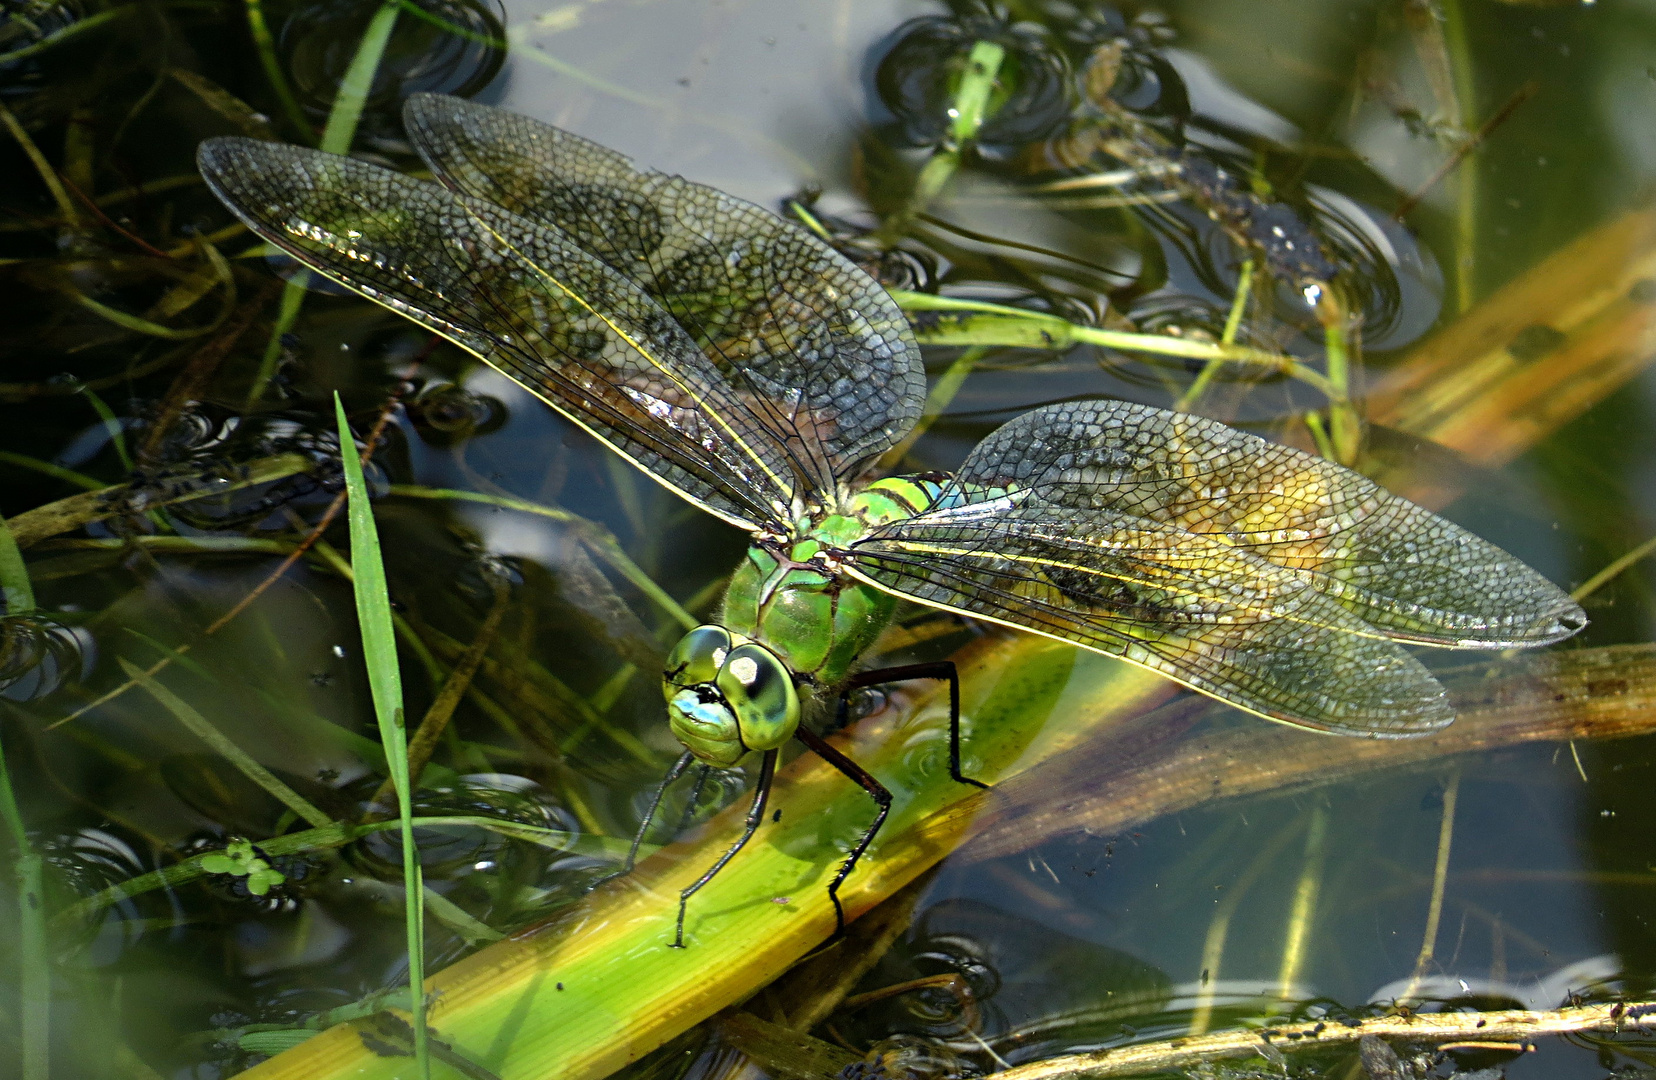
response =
{"points": [[1131, 164]]}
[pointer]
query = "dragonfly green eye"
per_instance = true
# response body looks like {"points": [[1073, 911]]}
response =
{"points": [[761, 694], [696, 658]]}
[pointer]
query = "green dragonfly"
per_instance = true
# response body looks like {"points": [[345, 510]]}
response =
{"points": [[752, 369]]}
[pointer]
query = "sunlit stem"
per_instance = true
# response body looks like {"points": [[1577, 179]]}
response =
{"points": [[971, 106], [1440, 877], [293, 297], [336, 139], [1233, 324], [1466, 176], [34, 969], [1345, 427], [1609, 573], [266, 47], [1303, 915], [599, 540], [1019, 328], [1213, 948]]}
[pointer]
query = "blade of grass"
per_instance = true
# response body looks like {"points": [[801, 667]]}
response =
{"points": [[334, 835], [266, 47], [203, 729], [14, 575], [33, 967], [336, 139], [34, 970], [379, 650], [597, 538]]}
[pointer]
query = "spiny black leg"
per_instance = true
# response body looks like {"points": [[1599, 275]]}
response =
{"points": [[649, 816], [940, 669], [695, 797], [756, 814], [876, 791]]}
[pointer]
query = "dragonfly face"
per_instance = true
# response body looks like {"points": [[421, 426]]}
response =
{"points": [[728, 696]]}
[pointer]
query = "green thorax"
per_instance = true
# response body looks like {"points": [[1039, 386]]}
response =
{"points": [[789, 595]]}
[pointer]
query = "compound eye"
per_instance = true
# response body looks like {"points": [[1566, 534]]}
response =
{"points": [[760, 691], [697, 658]]}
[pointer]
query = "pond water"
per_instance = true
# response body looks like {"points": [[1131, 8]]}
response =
{"points": [[1473, 175]]}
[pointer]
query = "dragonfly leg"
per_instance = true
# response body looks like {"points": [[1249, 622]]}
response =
{"points": [[756, 814], [695, 797], [673, 773], [940, 669], [876, 791]]}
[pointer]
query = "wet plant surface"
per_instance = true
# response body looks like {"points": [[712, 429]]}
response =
{"points": [[1409, 237]]}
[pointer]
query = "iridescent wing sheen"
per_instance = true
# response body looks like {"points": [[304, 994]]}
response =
{"points": [[1214, 617], [825, 356], [530, 301], [1403, 571]]}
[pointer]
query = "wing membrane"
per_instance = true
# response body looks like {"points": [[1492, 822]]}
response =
{"points": [[530, 302], [1214, 617], [826, 355], [1406, 572]]}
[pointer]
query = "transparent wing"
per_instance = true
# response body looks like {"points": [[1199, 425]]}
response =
{"points": [[1212, 616], [1405, 571], [529, 301], [827, 356]]}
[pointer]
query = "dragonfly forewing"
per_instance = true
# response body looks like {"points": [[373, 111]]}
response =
{"points": [[827, 355], [530, 302]]}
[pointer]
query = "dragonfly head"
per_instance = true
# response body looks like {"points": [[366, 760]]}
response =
{"points": [[728, 695]]}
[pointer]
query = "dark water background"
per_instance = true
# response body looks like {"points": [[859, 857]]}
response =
{"points": [[1551, 882]]}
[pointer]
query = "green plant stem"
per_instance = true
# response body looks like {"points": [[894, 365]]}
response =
{"points": [[359, 80], [970, 107], [1440, 877], [48, 175], [14, 575], [203, 729], [33, 966], [1610, 572], [112, 425], [334, 835], [379, 646], [1213, 948], [265, 44], [287, 313], [938, 397], [79, 479], [1233, 325], [1345, 427], [343, 119], [1018, 328], [1466, 176], [600, 540], [1303, 913]]}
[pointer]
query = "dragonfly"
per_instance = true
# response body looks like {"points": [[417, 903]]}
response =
{"points": [[749, 367]]}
